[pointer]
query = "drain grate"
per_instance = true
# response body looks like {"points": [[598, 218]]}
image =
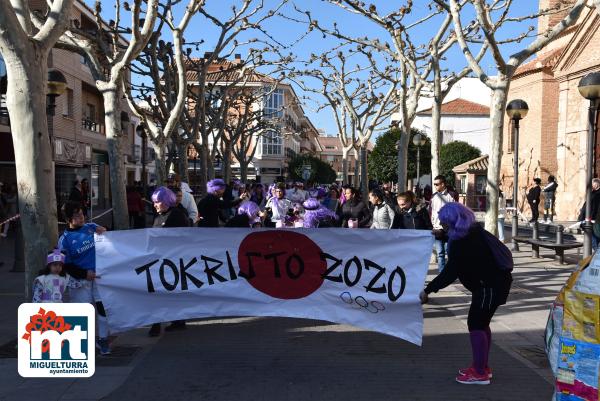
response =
{"points": [[9, 350], [535, 355]]}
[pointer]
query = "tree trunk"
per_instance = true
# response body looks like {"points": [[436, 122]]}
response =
{"points": [[344, 166], [182, 162], [112, 120], [26, 105], [364, 178], [159, 164], [436, 136], [403, 152], [499, 97], [243, 171], [226, 166], [356, 169]]}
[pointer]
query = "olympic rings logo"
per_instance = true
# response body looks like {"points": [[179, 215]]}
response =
{"points": [[361, 302]]}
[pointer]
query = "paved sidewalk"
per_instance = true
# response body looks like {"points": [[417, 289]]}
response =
{"points": [[294, 359]]}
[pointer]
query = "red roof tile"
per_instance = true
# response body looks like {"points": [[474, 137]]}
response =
{"points": [[543, 60], [461, 107]]}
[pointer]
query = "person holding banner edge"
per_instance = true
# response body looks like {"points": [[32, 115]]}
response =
{"points": [[169, 215], [474, 263], [78, 244]]}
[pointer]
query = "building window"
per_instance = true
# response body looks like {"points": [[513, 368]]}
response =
{"points": [[480, 184], [90, 112], [272, 143], [68, 110], [463, 184], [330, 158], [274, 104], [447, 135]]}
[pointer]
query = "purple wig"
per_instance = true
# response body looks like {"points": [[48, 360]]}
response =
{"points": [[251, 209], [164, 195], [458, 217], [316, 213], [214, 185]]}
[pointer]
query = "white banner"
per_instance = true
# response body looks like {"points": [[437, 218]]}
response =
{"points": [[367, 278]]}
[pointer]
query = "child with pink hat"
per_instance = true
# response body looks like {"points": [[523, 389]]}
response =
{"points": [[52, 282]]}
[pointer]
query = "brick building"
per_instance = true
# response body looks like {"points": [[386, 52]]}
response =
{"points": [[77, 129], [552, 138], [293, 132], [332, 154]]}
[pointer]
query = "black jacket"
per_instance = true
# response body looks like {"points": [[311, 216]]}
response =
{"points": [[471, 261], [209, 209], [415, 218], [595, 204], [354, 209], [534, 194], [174, 217]]}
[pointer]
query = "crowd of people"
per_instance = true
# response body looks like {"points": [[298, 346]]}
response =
{"points": [[72, 266]]}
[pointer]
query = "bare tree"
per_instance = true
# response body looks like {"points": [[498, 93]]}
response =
{"points": [[164, 102], [500, 84], [25, 43], [109, 55], [366, 93], [420, 63]]}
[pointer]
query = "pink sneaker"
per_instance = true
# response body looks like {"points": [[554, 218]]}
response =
{"points": [[463, 371], [472, 377]]}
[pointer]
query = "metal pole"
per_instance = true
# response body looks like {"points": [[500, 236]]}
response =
{"points": [[418, 166], [587, 224], [515, 218], [91, 191]]}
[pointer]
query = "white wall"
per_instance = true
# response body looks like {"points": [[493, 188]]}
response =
{"points": [[471, 129]]}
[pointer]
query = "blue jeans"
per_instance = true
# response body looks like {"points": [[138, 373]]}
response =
{"points": [[441, 248], [501, 228]]}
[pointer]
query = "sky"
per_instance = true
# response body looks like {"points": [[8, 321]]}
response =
{"points": [[295, 40]]}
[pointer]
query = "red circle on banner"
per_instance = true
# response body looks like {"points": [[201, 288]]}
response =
{"points": [[282, 264]]}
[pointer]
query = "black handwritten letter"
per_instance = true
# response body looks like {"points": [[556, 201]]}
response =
{"points": [[288, 266], [374, 280], [146, 268], [185, 275], [212, 272], [338, 262], [168, 286]]}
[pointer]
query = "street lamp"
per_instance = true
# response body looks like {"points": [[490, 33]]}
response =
{"points": [[419, 140], [57, 83], [589, 88], [516, 110]]}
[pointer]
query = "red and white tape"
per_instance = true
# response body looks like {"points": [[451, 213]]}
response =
{"points": [[15, 217]]}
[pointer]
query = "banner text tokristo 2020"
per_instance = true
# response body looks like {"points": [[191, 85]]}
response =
{"points": [[366, 278]]}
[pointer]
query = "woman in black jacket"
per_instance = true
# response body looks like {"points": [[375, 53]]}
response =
{"points": [[411, 215], [169, 215], [470, 259], [355, 209], [211, 207]]}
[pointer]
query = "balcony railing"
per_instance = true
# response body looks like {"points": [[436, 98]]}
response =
{"points": [[93, 126]]}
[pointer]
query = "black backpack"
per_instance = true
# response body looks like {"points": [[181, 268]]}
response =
{"points": [[500, 252]]}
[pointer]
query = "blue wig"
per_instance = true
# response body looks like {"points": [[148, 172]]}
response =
{"points": [[164, 195], [458, 217]]}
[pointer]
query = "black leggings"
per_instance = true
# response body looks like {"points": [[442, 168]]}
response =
{"points": [[483, 306]]}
